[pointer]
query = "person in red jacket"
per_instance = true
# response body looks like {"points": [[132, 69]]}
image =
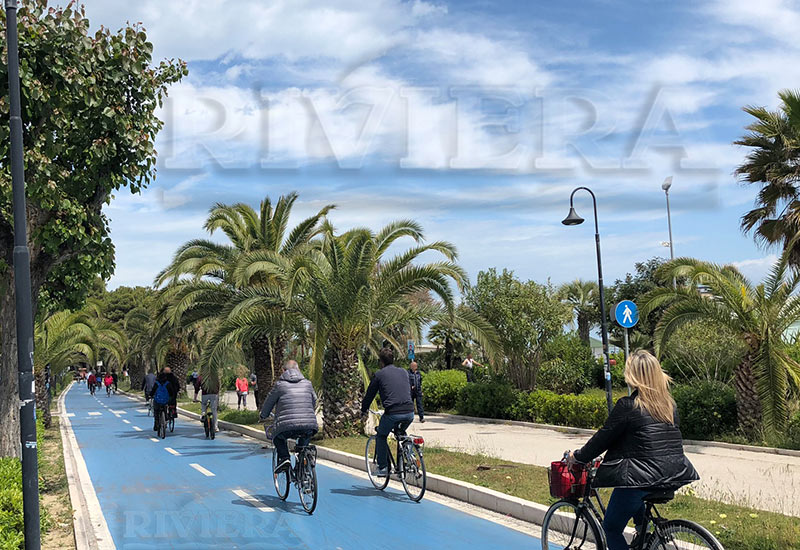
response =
{"points": [[242, 387], [109, 382], [91, 381]]}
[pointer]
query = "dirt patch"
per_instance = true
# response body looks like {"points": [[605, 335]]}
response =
{"points": [[54, 492]]}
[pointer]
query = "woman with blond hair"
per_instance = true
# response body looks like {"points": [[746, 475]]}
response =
{"points": [[643, 446]]}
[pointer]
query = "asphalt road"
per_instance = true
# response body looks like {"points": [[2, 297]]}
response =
{"points": [[187, 492]]}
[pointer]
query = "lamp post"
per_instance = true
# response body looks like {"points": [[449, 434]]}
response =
{"points": [[22, 287], [665, 186], [574, 219]]}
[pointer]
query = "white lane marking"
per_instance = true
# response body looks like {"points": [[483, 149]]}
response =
{"points": [[137, 428], [252, 501], [154, 440], [141, 411], [172, 451], [70, 415], [117, 412], [95, 413], [126, 421], [202, 470]]}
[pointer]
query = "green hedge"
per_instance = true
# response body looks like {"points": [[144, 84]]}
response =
{"points": [[793, 432], [441, 388], [706, 409], [546, 407], [560, 377], [487, 399], [10, 504]]}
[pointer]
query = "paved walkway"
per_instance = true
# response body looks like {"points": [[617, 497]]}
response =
{"points": [[760, 480], [229, 398], [186, 492]]}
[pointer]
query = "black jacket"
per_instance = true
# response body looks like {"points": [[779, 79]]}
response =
{"points": [[148, 382], [294, 401], [395, 391], [415, 381], [640, 450], [173, 386]]}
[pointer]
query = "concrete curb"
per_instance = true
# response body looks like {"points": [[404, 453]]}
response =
{"points": [[89, 527], [481, 497], [583, 431]]}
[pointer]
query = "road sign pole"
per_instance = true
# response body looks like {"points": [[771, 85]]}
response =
{"points": [[627, 352], [22, 287]]}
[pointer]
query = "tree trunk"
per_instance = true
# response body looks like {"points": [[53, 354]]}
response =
{"points": [[342, 392], [9, 378], [583, 328], [268, 356], [136, 373], [42, 397], [748, 404], [448, 352], [178, 361]]}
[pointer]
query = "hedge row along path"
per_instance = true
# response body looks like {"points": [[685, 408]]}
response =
{"points": [[757, 480]]}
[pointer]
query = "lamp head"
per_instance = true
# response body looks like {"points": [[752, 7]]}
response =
{"points": [[572, 218], [667, 183]]}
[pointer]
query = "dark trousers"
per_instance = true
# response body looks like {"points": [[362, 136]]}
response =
{"points": [[624, 505], [282, 445], [417, 398], [388, 421]]}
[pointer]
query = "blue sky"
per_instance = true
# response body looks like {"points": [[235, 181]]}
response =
{"points": [[476, 118]]}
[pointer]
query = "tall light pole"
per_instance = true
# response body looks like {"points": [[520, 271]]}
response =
{"points": [[22, 287], [665, 186], [574, 219]]}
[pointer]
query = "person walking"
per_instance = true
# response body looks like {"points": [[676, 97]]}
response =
{"points": [[469, 363], [295, 402], [195, 385], [643, 446], [115, 378], [242, 387], [210, 397], [415, 381]]}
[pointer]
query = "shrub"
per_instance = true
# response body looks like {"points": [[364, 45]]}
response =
{"points": [[617, 371], [11, 527], [441, 388], [793, 432], [487, 399], [706, 409], [546, 407], [240, 417], [572, 351], [562, 377]]}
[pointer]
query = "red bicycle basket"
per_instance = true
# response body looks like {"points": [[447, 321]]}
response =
{"points": [[567, 482]]}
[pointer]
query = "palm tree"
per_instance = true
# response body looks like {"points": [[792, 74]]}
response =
{"points": [[205, 277], [774, 163], [583, 297], [354, 297], [64, 339], [142, 340], [758, 315]]}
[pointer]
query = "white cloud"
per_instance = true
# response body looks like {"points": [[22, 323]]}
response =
{"points": [[756, 269]]}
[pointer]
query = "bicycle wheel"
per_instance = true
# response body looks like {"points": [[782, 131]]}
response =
{"points": [[149, 408], [162, 424], [566, 526], [206, 422], [371, 460], [211, 427], [281, 480], [683, 535], [307, 484], [412, 472], [171, 423]]}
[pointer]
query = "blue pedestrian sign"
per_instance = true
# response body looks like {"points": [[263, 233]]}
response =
{"points": [[626, 314]]}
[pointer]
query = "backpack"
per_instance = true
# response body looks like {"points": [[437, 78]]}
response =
{"points": [[162, 393]]}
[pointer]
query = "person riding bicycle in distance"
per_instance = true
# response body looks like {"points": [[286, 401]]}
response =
{"points": [[295, 403], [391, 383], [643, 446]]}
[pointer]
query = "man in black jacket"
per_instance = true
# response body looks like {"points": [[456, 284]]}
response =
{"points": [[398, 409], [415, 381]]}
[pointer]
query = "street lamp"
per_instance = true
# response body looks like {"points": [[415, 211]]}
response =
{"points": [[665, 186], [22, 288], [574, 219]]}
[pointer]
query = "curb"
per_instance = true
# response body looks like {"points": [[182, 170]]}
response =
{"points": [[583, 431]]}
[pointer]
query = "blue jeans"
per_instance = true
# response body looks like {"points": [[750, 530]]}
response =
{"points": [[388, 421], [623, 505]]}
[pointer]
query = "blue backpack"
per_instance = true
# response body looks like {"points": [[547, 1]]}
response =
{"points": [[162, 393]]}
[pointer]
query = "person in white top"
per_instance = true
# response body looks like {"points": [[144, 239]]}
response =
{"points": [[469, 362]]}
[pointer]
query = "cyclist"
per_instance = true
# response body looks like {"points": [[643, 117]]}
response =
{"points": [[391, 383], [109, 382], [115, 378], [210, 396], [148, 383], [415, 381], [295, 403], [91, 381], [162, 394], [643, 446]]}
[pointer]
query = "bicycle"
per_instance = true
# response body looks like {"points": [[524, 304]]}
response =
{"points": [[575, 523], [173, 414], [410, 464], [108, 391], [303, 473], [208, 422], [149, 406], [162, 422]]}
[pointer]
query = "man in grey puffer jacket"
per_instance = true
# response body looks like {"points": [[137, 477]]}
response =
{"points": [[295, 403]]}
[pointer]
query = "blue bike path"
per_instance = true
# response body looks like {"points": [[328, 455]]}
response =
{"points": [[186, 492]]}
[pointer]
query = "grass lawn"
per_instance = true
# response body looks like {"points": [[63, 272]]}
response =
{"points": [[246, 418], [736, 527]]}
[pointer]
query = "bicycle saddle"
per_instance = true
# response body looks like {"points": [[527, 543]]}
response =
{"points": [[659, 497]]}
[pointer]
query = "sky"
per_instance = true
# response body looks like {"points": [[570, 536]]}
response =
{"points": [[475, 118]]}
